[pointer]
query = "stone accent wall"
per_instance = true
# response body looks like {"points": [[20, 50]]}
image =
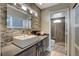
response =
{"points": [[36, 21], [3, 13], [2, 22]]}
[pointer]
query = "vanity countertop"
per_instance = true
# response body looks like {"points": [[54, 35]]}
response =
{"points": [[12, 49]]}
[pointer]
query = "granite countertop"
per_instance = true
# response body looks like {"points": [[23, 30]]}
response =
{"points": [[11, 49]]}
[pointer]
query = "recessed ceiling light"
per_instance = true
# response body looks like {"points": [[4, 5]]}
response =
{"points": [[57, 21]]}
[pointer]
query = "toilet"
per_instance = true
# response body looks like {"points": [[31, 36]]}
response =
{"points": [[52, 44]]}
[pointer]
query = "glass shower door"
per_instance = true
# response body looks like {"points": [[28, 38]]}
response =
{"points": [[76, 28]]}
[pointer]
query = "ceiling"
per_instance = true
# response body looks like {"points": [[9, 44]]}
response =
{"points": [[45, 5]]}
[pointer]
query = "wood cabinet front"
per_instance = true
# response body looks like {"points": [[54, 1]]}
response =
{"points": [[38, 49], [29, 52]]}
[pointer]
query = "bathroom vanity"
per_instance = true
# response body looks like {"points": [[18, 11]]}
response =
{"points": [[36, 46], [17, 23]]}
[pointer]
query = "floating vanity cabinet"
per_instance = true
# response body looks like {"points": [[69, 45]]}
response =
{"points": [[35, 23], [29, 52]]}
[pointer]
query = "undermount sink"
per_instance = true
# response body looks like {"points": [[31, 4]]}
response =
{"points": [[24, 37]]}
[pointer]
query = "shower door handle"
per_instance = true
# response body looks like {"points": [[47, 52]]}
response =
{"points": [[65, 43]]}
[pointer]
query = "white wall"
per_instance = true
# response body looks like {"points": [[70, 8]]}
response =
{"points": [[45, 15]]}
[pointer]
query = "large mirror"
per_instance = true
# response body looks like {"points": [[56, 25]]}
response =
{"points": [[18, 18]]}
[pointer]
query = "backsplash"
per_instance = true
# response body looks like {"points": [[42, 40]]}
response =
{"points": [[8, 35]]}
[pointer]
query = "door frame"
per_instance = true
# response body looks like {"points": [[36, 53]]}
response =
{"points": [[68, 29], [72, 32], [74, 45]]}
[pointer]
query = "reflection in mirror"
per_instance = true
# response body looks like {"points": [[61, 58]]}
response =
{"points": [[17, 19]]}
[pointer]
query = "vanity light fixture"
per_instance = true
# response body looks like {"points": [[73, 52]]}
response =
{"points": [[14, 3], [57, 21], [31, 11], [40, 3]]}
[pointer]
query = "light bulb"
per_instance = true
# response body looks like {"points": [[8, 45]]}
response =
{"points": [[31, 11], [24, 8], [36, 14], [14, 3], [40, 3]]}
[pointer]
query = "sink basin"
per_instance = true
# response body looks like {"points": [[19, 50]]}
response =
{"points": [[24, 37]]}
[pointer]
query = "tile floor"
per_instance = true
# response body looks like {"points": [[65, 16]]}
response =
{"points": [[58, 50]]}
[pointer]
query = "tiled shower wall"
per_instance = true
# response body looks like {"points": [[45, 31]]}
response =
{"points": [[7, 34]]}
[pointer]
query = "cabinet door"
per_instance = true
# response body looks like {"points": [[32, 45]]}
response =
{"points": [[45, 44], [35, 23], [29, 52]]}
